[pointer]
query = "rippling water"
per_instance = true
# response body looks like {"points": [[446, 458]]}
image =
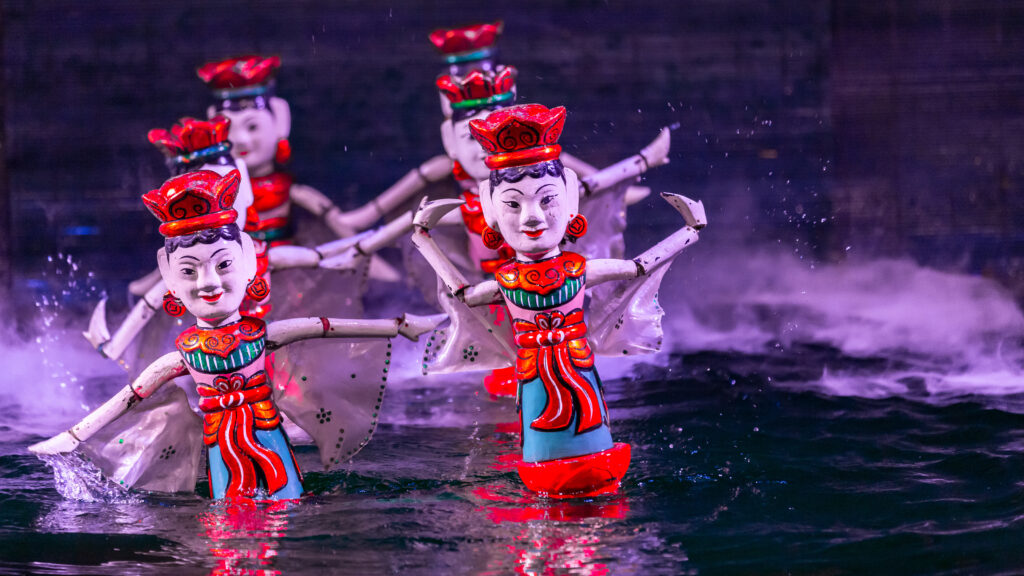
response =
{"points": [[800, 424]]}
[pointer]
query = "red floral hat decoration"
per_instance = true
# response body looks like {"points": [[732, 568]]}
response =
{"points": [[520, 135], [192, 141], [478, 89], [242, 77], [194, 201], [461, 45]]}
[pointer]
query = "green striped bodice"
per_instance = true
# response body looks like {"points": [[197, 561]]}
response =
{"points": [[533, 301], [243, 355]]}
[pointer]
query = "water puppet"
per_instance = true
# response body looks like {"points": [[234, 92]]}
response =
{"points": [[189, 146], [209, 267], [530, 202]]}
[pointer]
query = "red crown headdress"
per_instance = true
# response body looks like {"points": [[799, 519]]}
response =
{"points": [[478, 89], [192, 141], [241, 77], [474, 42], [520, 135], [194, 201]]}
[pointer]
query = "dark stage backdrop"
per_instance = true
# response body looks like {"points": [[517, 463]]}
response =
{"points": [[835, 129]]}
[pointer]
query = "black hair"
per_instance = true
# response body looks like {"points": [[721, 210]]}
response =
{"points": [[463, 113], [256, 102], [517, 173], [178, 168], [207, 236]]}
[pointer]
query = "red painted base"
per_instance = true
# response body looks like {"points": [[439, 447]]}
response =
{"points": [[582, 476], [502, 382]]}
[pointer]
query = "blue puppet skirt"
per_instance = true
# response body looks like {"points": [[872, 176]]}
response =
{"points": [[540, 445], [273, 440]]}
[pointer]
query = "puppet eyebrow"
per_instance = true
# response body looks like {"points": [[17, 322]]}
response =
{"points": [[219, 250], [188, 256], [517, 191]]}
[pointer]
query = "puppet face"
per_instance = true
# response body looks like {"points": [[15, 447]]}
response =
{"points": [[532, 214], [254, 137], [209, 279], [461, 146]]}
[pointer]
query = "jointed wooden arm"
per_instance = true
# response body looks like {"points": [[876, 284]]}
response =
{"points": [[429, 215], [142, 285], [165, 368], [605, 270], [415, 180], [114, 346], [284, 257], [654, 154], [284, 332], [634, 194]]}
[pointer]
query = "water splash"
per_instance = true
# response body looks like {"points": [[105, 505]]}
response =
{"points": [[78, 479], [45, 376]]}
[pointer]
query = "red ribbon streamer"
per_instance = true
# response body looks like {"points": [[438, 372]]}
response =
{"points": [[236, 436], [554, 346]]}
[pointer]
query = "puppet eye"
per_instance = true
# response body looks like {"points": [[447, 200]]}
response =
{"points": [[511, 204], [224, 265]]}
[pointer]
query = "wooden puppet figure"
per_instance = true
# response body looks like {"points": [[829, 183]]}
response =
{"points": [[189, 146], [193, 144], [243, 91], [209, 266], [530, 201]]}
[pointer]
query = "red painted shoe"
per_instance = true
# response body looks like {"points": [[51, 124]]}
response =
{"points": [[581, 476], [502, 381]]}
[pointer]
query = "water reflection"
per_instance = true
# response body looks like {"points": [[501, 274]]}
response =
{"points": [[243, 535], [558, 536]]}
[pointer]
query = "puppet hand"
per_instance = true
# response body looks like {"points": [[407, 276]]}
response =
{"points": [[60, 444], [411, 325]]}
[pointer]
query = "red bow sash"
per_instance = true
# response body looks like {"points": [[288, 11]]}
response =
{"points": [[233, 407], [553, 347]]}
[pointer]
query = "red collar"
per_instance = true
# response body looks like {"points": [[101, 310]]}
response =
{"points": [[271, 191], [542, 277], [472, 213], [222, 340]]}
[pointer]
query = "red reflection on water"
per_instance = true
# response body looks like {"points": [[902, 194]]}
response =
{"points": [[525, 506], [558, 535], [549, 555], [555, 539], [244, 535]]}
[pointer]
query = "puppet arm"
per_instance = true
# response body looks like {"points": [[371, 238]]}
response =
{"points": [[634, 194], [606, 270], [653, 155], [114, 346], [284, 332], [165, 368], [366, 215]]}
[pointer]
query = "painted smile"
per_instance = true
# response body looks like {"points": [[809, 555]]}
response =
{"points": [[213, 298], [533, 233]]}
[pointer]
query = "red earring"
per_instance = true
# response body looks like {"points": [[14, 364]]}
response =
{"points": [[576, 228], [173, 306], [284, 151], [258, 289], [491, 237]]}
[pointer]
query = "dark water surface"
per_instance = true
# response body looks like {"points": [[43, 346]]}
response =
{"points": [[735, 470]]}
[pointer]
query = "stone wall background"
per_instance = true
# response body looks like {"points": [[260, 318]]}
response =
{"points": [[834, 129]]}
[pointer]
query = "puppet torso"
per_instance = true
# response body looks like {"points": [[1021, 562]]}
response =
{"points": [[241, 424], [561, 398]]}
